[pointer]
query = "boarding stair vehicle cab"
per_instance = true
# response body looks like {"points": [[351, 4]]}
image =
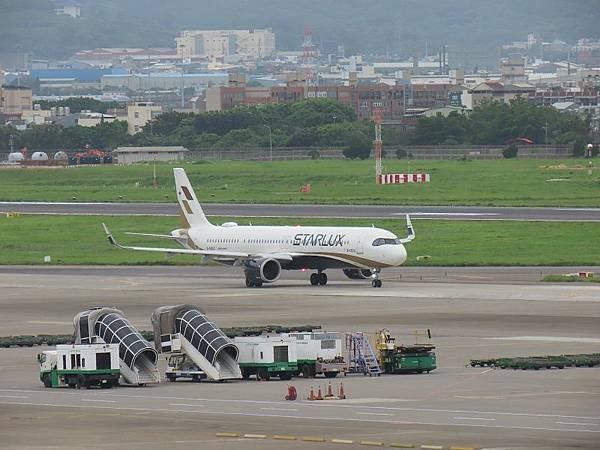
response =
{"points": [[267, 355], [264, 252], [185, 329], [361, 357], [137, 358], [80, 366], [180, 365], [395, 358], [319, 352]]}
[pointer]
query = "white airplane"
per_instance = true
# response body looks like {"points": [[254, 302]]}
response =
{"points": [[264, 251]]}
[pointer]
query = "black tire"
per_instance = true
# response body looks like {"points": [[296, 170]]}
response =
{"points": [[249, 283], [379, 283], [246, 373], [262, 374], [171, 377], [115, 382], [81, 382], [330, 374], [195, 378], [46, 380], [314, 279], [307, 371], [322, 278], [285, 376]]}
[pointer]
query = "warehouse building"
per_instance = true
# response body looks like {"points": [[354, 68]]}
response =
{"points": [[132, 155]]}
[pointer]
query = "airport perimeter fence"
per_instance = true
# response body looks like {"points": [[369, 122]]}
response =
{"points": [[390, 152]]}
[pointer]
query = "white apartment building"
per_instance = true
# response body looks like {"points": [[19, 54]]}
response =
{"points": [[214, 44], [139, 114]]}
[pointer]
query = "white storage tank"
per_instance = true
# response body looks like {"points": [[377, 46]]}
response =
{"points": [[39, 156], [60, 156], [15, 157]]}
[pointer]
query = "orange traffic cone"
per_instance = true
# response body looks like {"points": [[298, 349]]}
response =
{"points": [[329, 390], [319, 394], [311, 396], [342, 393]]}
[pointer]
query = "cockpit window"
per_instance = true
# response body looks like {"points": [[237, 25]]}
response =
{"points": [[385, 241]]}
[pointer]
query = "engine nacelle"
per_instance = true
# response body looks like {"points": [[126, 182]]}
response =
{"points": [[357, 274], [266, 270]]}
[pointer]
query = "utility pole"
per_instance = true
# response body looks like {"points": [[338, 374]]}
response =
{"points": [[182, 89], [270, 142]]}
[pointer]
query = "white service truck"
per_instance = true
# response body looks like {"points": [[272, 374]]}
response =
{"points": [[266, 356], [80, 366], [319, 352], [180, 365]]}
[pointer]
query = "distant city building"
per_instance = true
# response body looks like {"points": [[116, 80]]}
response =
{"points": [[164, 80], [132, 155], [218, 44], [495, 91], [67, 8], [513, 69], [105, 56], [139, 114], [363, 99], [15, 101]]}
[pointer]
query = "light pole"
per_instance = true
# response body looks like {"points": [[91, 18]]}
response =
{"points": [[270, 142]]}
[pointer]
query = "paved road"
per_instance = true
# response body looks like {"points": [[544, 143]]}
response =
{"points": [[472, 312], [337, 211]]}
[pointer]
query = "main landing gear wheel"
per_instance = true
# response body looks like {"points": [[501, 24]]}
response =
{"points": [[251, 284], [376, 283], [318, 279]]}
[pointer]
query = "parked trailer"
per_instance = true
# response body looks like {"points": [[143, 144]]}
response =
{"points": [[80, 366], [266, 356], [319, 353]]}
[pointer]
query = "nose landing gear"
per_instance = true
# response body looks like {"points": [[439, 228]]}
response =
{"points": [[376, 282], [319, 278]]}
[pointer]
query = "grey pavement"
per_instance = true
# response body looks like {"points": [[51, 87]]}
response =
{"points": [[335, 211], [472, 313]]}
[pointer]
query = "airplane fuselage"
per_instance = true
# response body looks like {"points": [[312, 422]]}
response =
{"points": [[315, 247]]}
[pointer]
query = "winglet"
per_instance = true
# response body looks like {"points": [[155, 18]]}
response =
{"points": [[109, 235], [410, 230]]}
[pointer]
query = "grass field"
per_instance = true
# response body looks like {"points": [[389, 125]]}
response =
{"points": [[487, 183], [80, 240], [570, 279]]}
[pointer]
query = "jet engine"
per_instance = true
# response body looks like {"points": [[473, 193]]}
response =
{"points": [[265, 270], [357, 274]]}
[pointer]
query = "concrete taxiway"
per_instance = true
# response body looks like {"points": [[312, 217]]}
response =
{"points": [[473, 313], [336, 211]]}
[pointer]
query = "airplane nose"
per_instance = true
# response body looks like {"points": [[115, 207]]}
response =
{"points": [[400, 255]]}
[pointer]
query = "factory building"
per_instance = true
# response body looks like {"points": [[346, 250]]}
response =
{"points": [[164, 80], [132, 155], [217, 44], [139, 114]]}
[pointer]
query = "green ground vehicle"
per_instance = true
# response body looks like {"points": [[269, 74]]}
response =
{"points": [[394, 358], [80, 366], [266, 356]]}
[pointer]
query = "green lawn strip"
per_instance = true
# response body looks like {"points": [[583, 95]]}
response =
{"points": [[487, 183], [80, 240], [571, 279]]}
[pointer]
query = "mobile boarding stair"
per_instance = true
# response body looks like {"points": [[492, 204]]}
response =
{"points": [[137, 358], [186, 329], [361, 357]]}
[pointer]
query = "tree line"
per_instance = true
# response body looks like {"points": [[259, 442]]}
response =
{"points": [[314, 123]]}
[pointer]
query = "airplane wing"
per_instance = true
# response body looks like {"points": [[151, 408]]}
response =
{"points": [[216, 254], [183, 251]]}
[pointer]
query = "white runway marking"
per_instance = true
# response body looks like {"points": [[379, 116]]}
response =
{"points": [[186, 404], [373, 414], [278, 409], [97, 400], [466, 214], [548, 339], [474, 418], [578, 423], [280, 416], [14, 396]]}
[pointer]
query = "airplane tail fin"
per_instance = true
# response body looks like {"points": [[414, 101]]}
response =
{"points": [[191, 211]]}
